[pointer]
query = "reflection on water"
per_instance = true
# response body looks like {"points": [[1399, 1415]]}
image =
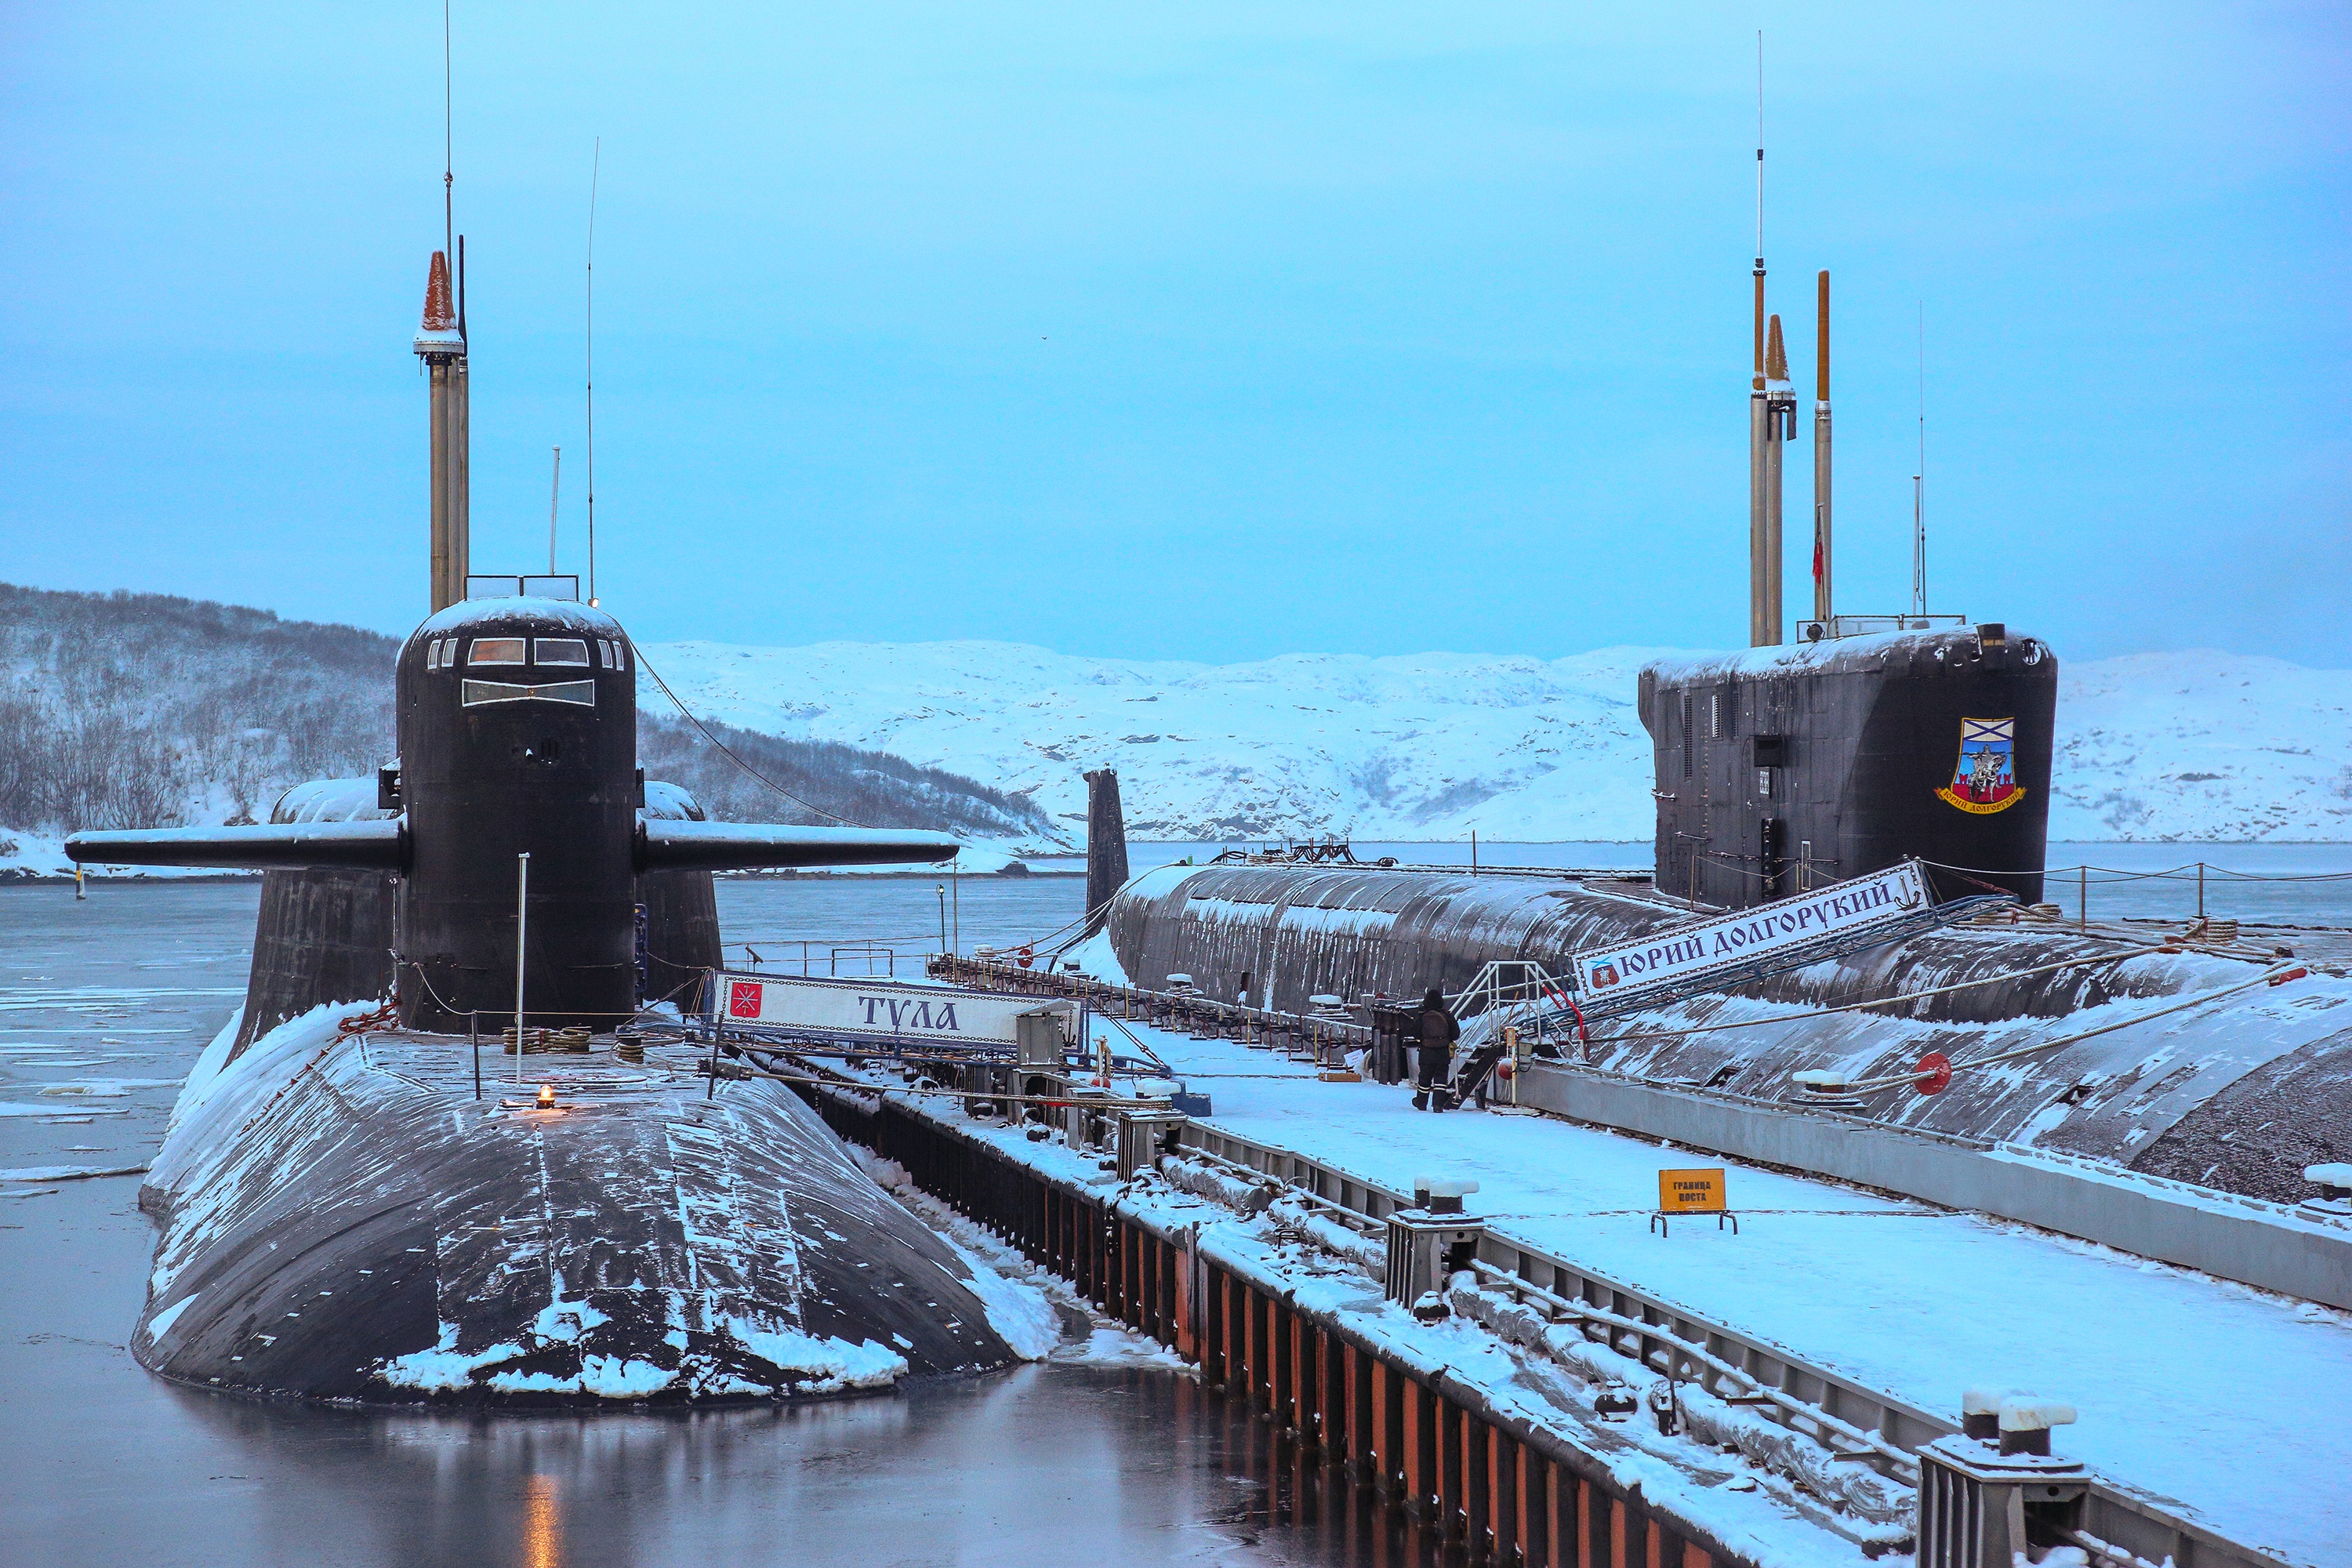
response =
{"points": [[543, 1524], [1047, 1464]]}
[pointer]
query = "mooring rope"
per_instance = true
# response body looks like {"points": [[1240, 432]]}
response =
{"points": [[732, 757]]}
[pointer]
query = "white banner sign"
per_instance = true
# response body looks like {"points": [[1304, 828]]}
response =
{"points": [[1732, 941], [937, 1013]]}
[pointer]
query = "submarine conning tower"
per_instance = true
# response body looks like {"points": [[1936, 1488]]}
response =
{"points": [[1784, 768], [518, 726]]}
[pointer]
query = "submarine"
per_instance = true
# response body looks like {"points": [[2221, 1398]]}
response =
{"points": [[354, 1205], [1791, 767]]}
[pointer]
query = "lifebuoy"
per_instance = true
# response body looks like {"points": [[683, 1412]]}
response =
{"points": [[1026, 956]]}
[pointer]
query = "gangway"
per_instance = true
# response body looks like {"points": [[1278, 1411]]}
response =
{"points": [[1516, 998]]}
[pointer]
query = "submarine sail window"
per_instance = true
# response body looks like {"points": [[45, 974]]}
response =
{"points": [[560, 650], [496, 650], [581, 693]]}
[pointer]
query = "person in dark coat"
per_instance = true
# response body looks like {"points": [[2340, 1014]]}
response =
{"points": [[1438, 1033]]}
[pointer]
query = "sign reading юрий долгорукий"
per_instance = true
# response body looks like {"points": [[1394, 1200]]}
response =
{"points": [[1726, 949]]}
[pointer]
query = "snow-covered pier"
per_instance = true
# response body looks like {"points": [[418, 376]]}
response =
{"points": [[1802, 1363]]}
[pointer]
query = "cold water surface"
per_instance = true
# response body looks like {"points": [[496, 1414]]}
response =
{"points": [[103, 1005]]}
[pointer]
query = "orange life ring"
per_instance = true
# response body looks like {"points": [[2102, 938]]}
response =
{"points": [[1026, 956]]}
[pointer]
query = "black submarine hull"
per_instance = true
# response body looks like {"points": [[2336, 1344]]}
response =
{"points": [[343, 1219], [324, 935], [2239, 1096], [513, 833], [1784, 768]]}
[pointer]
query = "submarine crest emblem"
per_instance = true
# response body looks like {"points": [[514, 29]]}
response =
{"points": [[1984, 780]]}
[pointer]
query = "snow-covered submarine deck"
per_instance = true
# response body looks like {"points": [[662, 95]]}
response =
{"points": [[343, 1219]]}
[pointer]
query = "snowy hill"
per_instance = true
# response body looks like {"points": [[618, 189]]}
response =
{"points": [[141, 710], [2203, 745], [1429, 746], [122, 709], [1419, 747]]}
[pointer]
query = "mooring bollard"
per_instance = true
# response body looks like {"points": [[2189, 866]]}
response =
{"points": [[1974, 1488], [1428, 1242]]}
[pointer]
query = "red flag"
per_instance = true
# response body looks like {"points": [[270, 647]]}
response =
{"points": [[1816, 555]]}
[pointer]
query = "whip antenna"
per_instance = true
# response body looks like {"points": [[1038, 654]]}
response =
{"points": [[596, 170], [448, 146], [555, 490], [1920, 484], [1759, 210]]}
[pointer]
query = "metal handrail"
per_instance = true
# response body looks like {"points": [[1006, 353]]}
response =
{"points": [[1767, 1366], [1787, 1403], [1305, 1026], [2118, 1516]]}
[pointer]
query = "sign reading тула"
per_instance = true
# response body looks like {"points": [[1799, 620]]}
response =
{"points": [[1690, 1192], [1731, 942], [894, 1007]]}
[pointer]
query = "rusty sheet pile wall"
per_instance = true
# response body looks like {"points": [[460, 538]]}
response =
{"points": [[1467, 1473]]}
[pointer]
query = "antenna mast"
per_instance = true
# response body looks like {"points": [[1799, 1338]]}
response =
{"points": [[448, 147], [595, 171], [1771, 419], [554, 490], [1763, 617], [1759, 151], [1759, 209], [1919, 485]]}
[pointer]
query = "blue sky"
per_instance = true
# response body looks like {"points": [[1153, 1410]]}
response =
{"points": [[1192, 331]]}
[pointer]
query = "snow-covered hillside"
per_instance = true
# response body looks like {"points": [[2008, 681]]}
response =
{"points": [[1429, 746], [1425, 746], [2217, 746], [140, 709], [127, 709]]}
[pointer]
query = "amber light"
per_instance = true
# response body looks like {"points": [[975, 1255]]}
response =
{"points": [[547, 1097]]}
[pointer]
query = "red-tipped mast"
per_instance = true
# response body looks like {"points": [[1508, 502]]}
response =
{"points": [[442, 347], [440, 311]]}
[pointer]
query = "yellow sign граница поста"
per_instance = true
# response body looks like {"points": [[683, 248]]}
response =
{"points": [[1690, 1192]]}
